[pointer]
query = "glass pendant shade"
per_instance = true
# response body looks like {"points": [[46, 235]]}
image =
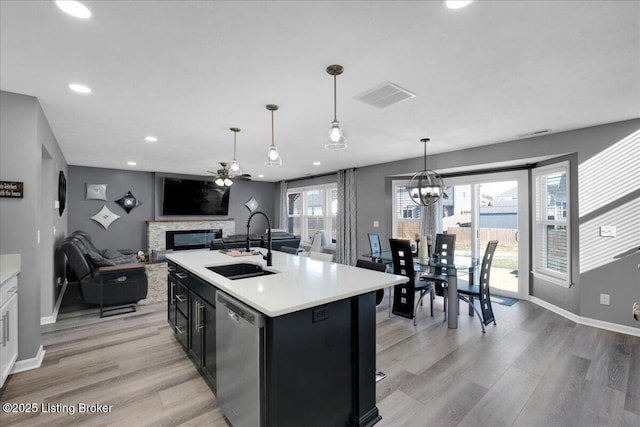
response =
{"points": [[220, 182], [337, 140], [273, 157], [228, 182], [234, 168]]}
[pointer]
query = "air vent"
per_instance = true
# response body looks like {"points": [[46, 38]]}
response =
{"points": [[536, 133], [384, 95]]}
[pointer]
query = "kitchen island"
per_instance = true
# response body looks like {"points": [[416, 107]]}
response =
{"points": [[316, 359]]}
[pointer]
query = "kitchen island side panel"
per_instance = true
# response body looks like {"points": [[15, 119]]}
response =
{"points": [[309, 367]]}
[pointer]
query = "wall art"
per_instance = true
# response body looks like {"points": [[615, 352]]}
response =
{"points": [[105, 217], [62, 192], [96, 192], [252, 204], [128, 202]]}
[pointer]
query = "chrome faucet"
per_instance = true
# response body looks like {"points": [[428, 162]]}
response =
{"points": [[268, 256]]}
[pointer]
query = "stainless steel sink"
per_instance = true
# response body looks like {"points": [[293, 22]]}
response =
{"points": [[241, 270]]}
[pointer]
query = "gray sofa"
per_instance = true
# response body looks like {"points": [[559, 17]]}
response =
{"points": [[278, 239]]}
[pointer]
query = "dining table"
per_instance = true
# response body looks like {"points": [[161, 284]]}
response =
{"points": [[462, 266]]}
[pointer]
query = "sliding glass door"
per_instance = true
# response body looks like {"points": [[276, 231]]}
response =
{"points": [[491, 207]]}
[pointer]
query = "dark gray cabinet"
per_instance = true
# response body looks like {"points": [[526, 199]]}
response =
{"points": [[203, 336], [191, 313]]}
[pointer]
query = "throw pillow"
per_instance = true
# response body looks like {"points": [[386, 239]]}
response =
{"points": [[110, 253], [98, 260]]}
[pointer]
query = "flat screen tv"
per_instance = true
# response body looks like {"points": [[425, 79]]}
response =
{"points": [[193, 197]]}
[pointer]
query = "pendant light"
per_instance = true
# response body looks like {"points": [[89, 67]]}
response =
{"points": [[336, 140], [234, 167], [426, 187], [273, 157]]}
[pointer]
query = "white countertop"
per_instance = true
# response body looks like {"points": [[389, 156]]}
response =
{"points": [[301, 282], [9, 267]]}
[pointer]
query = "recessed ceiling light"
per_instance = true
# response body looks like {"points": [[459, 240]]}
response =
{"points": [[131, 163], [316, 163], [74, 8], [79, 88], [260, 176], [151, 139], [457, 4]]}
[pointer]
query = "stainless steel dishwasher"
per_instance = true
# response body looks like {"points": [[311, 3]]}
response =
{"points": [[239, 361]]}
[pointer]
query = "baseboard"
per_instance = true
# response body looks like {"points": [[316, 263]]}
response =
{"points": [[28, 364], [47, 320], [587, 321]]}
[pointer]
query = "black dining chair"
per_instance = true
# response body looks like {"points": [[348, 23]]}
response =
{"points": [[443, 253], [375, 246], [467, 292], [404, 294], [370, 265]]}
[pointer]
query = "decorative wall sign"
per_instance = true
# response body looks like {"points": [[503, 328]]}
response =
{"points": [[62, 192], [128, 202], [96, 192], [252, 204], [13, 189], [105, 217]]}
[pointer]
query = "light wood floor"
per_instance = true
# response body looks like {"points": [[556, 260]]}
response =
{"points": [[533, 369]]}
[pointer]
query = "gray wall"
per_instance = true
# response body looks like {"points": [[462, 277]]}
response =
{"points": [[127, 232], [130, 230], [25, 137]]}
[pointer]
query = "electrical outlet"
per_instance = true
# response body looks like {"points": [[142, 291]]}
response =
{"points": [[320, 314], [604, 299], [376, 224], [607, 231]]}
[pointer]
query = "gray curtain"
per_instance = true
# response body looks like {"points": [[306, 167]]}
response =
{"points": [[431, 220], [346, 239], [284, 218]]}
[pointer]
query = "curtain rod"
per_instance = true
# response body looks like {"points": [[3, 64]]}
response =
{"points": [[317, 176], [526, 166]]}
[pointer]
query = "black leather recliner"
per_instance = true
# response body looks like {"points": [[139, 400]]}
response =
{"points": [[119, 256], [101, 281]]}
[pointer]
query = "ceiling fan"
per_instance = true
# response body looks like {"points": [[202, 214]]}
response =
{"points": [[224, 175], [232, 171]]}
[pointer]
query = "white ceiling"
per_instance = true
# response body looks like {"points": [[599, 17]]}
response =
{"points": [[187, 71]]}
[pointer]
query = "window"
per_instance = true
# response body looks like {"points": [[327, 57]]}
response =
{"points": [[406, 214], [551, 225], [311, 209]]}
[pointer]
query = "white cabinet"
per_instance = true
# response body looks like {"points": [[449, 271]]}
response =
{"points": [[8, 327]]}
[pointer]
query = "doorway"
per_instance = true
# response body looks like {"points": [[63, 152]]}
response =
{"points": [[488, 207]]}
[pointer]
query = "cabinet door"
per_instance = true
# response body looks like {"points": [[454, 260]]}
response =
{"points": [[209, 345], [182, 329], [9, 335]]}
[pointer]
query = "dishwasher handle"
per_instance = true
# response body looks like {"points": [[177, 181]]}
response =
{"points": [[239, 311]]}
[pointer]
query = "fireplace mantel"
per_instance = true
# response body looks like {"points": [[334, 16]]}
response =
{"points": [[156, 229]]}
